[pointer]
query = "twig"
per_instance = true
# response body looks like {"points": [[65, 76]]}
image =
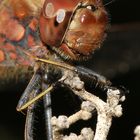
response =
{"points": [[105, 110]]}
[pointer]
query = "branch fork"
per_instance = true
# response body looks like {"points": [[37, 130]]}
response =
{"points": [[105, 111]]}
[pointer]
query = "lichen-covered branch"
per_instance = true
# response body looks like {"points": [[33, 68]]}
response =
{"points": [[106, 110]]}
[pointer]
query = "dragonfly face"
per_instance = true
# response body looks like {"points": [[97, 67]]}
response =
{"points": [[73, 29]]}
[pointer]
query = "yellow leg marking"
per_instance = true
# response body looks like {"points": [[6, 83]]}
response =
{"points": [[63, 65], [35, 98]]}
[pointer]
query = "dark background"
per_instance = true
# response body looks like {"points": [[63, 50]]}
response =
{"points": [[118, 60]]}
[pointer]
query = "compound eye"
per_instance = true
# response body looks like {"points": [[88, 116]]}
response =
{"points": [[58, 8], [54, 21], [91, 7]]}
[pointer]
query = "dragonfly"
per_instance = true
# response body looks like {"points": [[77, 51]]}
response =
{"points": [[59, 34]]}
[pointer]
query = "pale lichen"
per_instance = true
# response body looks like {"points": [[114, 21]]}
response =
{"points": [[106, 110]]}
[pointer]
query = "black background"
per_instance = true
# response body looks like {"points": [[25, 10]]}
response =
{"points": [[12, 122]]}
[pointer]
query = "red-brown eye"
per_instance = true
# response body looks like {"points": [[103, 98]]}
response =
{"points": [[54, 20], [72, 29]]}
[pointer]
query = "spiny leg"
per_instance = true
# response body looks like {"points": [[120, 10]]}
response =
{"points": [[84, 73], [35, 121], [30, 118], [48, 115], [58, 64], [96, 80], [27, 104], [34, 82], [30, 92], [54, 75], [30, 102], [87, 74]]}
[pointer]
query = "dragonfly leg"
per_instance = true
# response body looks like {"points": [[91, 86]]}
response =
{"points": [[33, 118], [27, 104], [48, 116], [97, 81], [30, 118], [33, 85], [32, 93], [92, 78]]}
